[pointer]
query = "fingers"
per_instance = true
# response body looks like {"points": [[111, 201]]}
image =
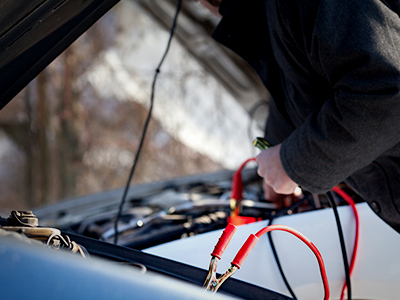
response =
{"points": [[280, 200], [272, 196], [271, 169]]}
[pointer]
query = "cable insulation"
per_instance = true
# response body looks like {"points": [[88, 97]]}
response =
{"points": [[342, 244], [351, 202], [272, 244], [309, 244]]}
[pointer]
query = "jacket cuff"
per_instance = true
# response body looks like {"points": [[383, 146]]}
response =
{"points": [[299, 167]]}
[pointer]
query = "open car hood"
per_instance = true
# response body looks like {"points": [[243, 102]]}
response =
{"points": [[33, 33]]}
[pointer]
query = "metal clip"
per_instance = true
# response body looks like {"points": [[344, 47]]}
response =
{"points": [[213, 283]]}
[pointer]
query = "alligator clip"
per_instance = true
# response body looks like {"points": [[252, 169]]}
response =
{"points": [[213, 283]]}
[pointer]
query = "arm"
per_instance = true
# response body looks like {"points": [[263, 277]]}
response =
{"points": [[358, 54]]}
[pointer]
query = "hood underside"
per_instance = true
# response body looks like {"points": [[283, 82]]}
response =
{"points": [[33, 33]]}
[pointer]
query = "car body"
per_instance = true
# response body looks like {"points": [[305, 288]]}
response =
{"points": [[33, 34], [168, 228]]}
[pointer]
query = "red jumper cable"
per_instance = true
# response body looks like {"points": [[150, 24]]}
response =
{"points": [[350, 201], [212, 283], [237, 197]]}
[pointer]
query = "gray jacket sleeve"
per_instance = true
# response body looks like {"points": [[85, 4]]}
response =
{"points": [[355, 45]]}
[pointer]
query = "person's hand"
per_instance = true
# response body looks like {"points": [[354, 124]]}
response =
{"points": [[280, 200], [270, 168]]}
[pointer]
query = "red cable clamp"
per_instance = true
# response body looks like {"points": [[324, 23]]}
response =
{"points": [[212, 283], [237, 197], [224, 240], [245, 251]]}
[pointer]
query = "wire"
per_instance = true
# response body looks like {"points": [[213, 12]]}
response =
{"points": [[308, 243], [237, 183], [146, 125], [350, 201], [253, 239], [274, 252], [342, 244]]}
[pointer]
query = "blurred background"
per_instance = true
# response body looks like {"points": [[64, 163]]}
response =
{"points": [[75, 128]]}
